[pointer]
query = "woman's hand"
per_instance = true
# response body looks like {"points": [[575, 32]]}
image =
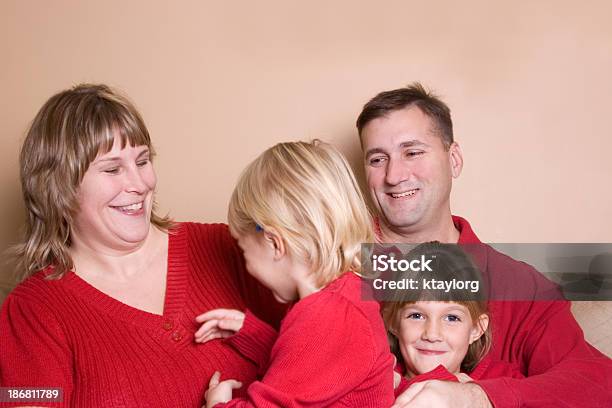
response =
{"points": [[219, 392], [218, 324]]}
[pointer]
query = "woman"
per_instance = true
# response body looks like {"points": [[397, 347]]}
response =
{"points": [[107, 312]]}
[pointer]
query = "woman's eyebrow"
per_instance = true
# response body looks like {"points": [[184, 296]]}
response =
{"points": [[145, 151], [108, 159], [117, 158]]}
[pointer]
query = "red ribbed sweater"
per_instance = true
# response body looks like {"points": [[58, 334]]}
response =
{"points": [[486, 369], [540, 336], [331, 351], [103, 353]]}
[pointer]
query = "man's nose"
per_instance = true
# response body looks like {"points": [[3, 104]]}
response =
{"points": [[396, 172]]}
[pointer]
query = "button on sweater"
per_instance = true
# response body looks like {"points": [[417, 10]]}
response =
{"points": [[103, 353]]}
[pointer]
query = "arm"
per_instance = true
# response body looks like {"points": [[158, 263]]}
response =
{"points": [[255, 341], [35, 351], [252, 337], [438, 373], [563, 369], [323, 351], [539, 333]]}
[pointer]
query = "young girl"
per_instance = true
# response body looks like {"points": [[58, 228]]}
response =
{"points": [[442, 334], [299, 217]]}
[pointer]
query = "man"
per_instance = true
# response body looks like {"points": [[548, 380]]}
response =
{"points": [[410, 160]]}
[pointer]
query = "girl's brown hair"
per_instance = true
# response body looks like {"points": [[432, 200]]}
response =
{"points": [[450, 262]]}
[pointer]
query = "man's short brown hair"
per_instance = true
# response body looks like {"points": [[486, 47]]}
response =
{"points": [[411, 95]]}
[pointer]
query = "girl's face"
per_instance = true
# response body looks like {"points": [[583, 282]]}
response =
{"points": [[434, 333], [266, 263]]}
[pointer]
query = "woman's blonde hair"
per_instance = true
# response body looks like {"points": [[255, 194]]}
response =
{"points": [[67, 134], [450, 262], [309, 195]]}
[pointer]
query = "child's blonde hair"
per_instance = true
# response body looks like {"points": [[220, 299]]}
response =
{"points": [[309, 195], [451, 262]]}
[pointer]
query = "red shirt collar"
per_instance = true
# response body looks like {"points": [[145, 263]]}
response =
{"points": [[466, 233]]}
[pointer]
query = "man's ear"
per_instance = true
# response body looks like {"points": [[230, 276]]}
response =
{"points": [[274, 239], [456, 159], [479, 328]]}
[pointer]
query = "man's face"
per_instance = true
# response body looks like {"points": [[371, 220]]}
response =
{"points": [[408, 170]]}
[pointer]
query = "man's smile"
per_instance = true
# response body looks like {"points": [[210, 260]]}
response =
{"points": [[407, 193]]}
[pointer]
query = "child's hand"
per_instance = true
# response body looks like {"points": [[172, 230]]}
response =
{"points": [[218, 323], [397, 378], [464, 378], [219, 392]]}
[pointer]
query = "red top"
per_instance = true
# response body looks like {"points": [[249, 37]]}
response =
{"points": [[103, 353], [331, 350], [540, 336], [486, 369]]}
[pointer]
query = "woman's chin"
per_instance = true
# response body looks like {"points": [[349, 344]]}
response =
{"points": [[134, 235]]}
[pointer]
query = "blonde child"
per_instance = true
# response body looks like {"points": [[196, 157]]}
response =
{"points": [[299, 217], [438, 334]]}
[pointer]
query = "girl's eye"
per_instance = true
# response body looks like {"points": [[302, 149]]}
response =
{"points": [[142, 163], [453, 318], [415, 316], [114, 170]]}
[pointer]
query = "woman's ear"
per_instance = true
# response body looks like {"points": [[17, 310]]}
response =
{"points": [[274, 239], [480, 326]]}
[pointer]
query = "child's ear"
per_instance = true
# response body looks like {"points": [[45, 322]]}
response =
{"points": [[276, 241], [480, 326], [393, 327]]}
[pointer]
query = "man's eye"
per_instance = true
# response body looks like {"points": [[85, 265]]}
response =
{"points": [[377, 161], [413, 153], [114, 170], [453, 318]]}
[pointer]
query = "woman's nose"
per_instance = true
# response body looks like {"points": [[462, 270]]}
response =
{"points": [[135, 182]]}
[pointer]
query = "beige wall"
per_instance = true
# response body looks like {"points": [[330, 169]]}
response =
{"points": [[218, 82]]}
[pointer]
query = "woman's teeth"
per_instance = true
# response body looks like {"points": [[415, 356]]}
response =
{"points": [[130, 208]]}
